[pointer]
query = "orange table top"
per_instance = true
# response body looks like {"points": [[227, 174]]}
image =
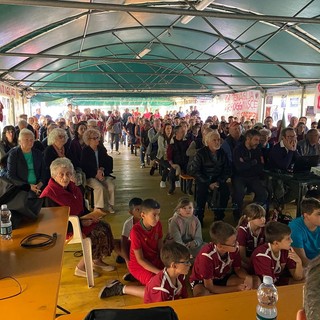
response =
{"points": [[38, 270], [230, 306]]}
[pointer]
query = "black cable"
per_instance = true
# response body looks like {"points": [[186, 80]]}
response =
{"points": [[27, 242], [19, 285]]}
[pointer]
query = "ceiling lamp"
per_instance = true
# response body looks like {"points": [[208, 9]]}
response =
{"points": [[143, 53], [200, 6]]}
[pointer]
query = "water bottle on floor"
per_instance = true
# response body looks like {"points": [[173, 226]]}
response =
{"points": [[6, 225], [267, 295]]}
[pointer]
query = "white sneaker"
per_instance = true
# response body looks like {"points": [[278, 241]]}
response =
{"points": [[162, 184], [177, 183], [142, 165], [110, 209]]}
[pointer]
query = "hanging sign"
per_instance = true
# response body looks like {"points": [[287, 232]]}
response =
{"points": [[8, 91]]}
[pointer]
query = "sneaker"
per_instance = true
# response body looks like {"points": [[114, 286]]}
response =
{"points": [[152, 170], [110, 209], [113, 288], [170, 192], [80, 273], [120, 260], [129, 277], [177, 183], [162, 184], [142, 165], [118, 152], [105, 267]]}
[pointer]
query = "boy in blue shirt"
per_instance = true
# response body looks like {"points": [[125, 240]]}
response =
{"points": [[306, 231]]}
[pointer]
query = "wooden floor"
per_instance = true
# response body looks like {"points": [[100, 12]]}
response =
{"points": [[131, 181]]}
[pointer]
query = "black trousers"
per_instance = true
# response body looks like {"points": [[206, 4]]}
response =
{"points": [[254, 184], [202, 197]]}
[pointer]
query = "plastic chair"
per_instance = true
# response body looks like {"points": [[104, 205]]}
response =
{"points": [[86, 248]]}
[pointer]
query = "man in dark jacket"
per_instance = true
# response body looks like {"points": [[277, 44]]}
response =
{"points": [[211, 169], [248, 171]]}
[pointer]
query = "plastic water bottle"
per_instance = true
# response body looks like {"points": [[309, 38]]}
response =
{"points": [[6, 225], [267, 297]]}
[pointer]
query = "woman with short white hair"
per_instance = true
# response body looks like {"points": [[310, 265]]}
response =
{"points": [[61, 191], [25, 164], [97, 166], [57, 139]]}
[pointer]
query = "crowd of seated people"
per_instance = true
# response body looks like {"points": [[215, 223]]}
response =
{"points": [[225, 158]]}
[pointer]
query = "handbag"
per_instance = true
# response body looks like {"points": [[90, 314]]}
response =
{"points": [[18, 201]]}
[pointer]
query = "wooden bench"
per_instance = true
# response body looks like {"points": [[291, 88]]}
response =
{"points": [[184, 179]]}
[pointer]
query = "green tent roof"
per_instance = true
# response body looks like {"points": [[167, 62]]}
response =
{"points": [[90, 48]]}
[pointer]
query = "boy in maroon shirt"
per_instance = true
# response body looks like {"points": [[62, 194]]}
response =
{"points": [[276, 256], [169, 284], [217, 268]]}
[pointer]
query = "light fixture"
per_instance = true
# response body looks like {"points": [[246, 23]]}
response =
{"points": [[143, 53], [200, 6]]}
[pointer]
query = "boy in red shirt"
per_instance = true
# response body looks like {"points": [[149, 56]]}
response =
{"points": [[217, 268], [146, 243], [277, 256], [169, 284]]}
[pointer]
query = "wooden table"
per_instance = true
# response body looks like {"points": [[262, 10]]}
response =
{"points": [[231, 306], [38, 270]]}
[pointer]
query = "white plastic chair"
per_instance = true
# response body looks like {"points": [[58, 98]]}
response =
{"points": [[86, 248]]}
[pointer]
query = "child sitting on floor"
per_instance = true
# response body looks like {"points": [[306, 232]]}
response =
{"points": [[169, 284], [251, 231], [146, 243], [306, 231], [217, 268], [277, 256], [135, 212], [185, 227]]}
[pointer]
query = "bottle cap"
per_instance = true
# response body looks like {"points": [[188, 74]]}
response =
{"points": [[267, 280], [3, 207]]}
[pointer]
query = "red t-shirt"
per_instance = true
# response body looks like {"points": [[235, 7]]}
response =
{"points": [[209, 264], [147, 241], [160, 288], [265, 263], [248, 240]]}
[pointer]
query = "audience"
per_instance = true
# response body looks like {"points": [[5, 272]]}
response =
{"points": [[311, 297], [8, 141], [250, 233], [248, 173], [26, 165], [276, 258], [96, 165], [217, 267], [211, 169], [306, 231], [61, 191], [185, 227]]}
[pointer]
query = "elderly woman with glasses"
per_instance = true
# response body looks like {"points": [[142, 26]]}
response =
{"points": [[61, 191], [97, 166], [25, 164], [56, 148]]}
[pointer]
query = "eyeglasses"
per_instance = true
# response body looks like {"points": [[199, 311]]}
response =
{"points": [[61, 136], [291, 137], [186, 263], [235, 245], [95, 138]]}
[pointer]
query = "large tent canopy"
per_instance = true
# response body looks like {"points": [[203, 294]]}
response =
{"points": [[149, 48]]}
